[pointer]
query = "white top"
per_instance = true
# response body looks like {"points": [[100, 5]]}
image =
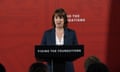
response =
{"points": [[60, 42]]}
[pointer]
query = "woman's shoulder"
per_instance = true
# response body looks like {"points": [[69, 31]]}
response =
{"points": [[49, 30], [69, 30]]}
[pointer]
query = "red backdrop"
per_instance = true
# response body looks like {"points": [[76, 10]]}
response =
{"points": [[23, 22]]}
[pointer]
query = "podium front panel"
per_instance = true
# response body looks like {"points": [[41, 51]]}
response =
{"points": [[59, 53]]}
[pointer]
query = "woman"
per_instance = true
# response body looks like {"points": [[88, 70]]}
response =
{"points": [[60, 34]]}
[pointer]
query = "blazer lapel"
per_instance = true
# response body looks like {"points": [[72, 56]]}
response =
{"points": [[65, 36], [53, 38]]}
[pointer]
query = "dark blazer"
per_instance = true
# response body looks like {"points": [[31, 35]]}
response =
{"points": [[69, 39]]}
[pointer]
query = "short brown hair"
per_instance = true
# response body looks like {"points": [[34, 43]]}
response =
{"points": [[61, 13]]}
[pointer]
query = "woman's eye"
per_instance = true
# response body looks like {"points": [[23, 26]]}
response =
{"points": [[56, 17]]}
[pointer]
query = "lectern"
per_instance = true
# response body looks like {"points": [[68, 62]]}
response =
{"points": [[58, 55]]}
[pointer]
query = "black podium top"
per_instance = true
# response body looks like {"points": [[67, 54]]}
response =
{"points": [[59, 53]]}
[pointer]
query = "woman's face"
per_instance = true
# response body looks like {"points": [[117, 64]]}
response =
{"points": [[59, 21]]}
